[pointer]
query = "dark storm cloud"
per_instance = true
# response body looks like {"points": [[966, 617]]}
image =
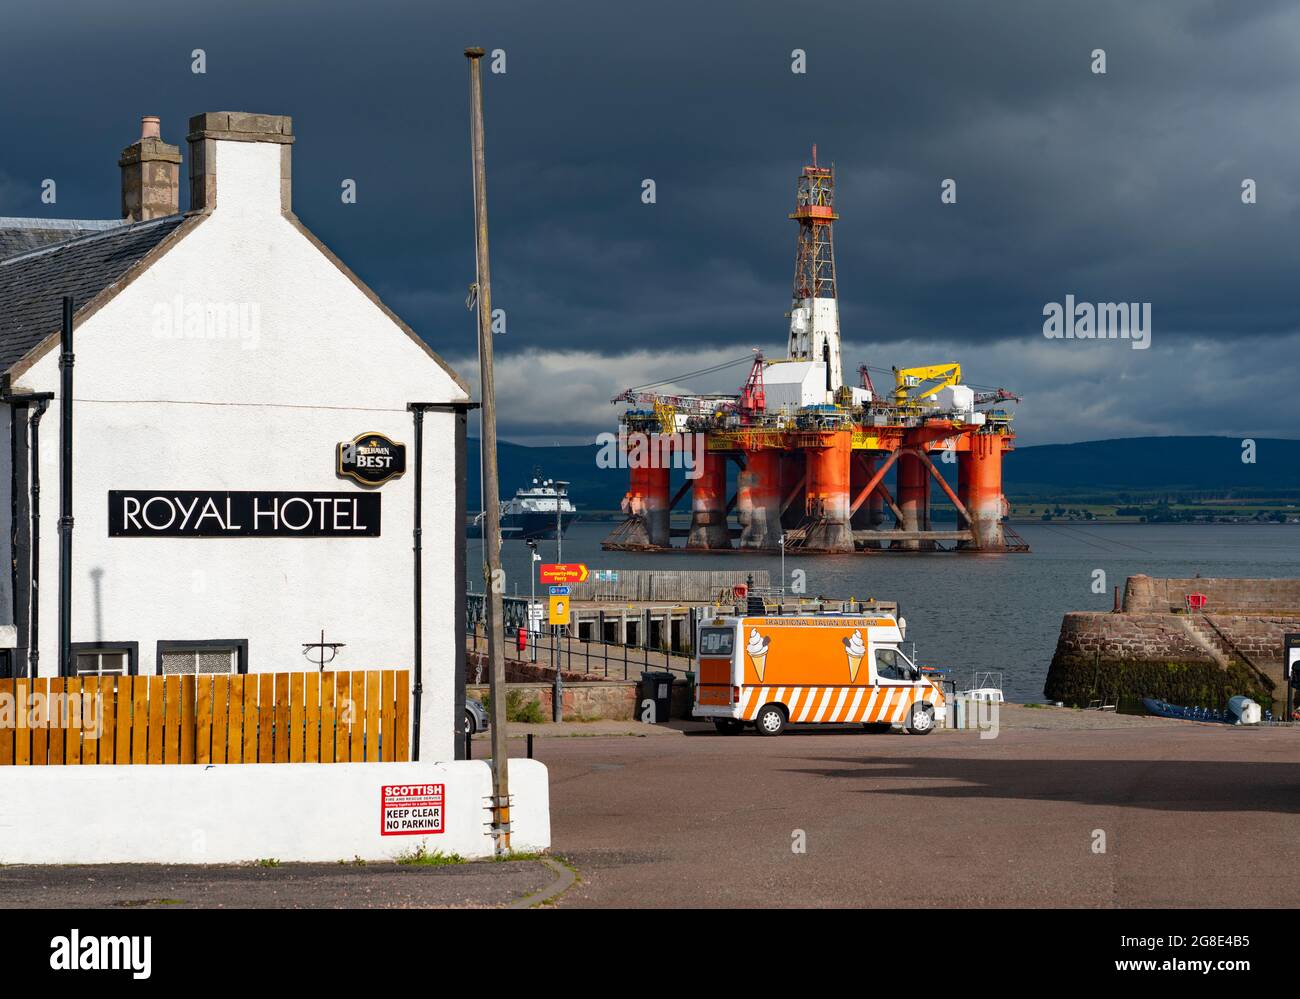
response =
{"points": [[1117, 187]]}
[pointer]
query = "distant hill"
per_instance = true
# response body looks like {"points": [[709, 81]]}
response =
{"points": [[1148, 465], [1105, 470]]}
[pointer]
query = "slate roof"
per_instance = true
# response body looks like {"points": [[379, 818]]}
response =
{"points": [[32, 285], [18, 236]]}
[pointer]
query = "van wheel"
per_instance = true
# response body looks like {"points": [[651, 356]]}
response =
{"points": [[921, 721], [727, 726], [770, 720], [877, 726]]}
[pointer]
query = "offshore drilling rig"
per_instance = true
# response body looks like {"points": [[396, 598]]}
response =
{"points": [[812, 453]]}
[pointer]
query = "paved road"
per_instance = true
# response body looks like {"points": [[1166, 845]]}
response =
{"points": [[1193, 815]]}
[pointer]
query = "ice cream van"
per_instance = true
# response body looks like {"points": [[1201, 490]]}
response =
{"points": [[827, 668]]}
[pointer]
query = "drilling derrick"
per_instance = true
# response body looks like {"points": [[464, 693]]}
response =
{"points": [[814, 311]]}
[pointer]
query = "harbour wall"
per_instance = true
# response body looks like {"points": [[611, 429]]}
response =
{"points": [[1223, 596], [1154, 647]]}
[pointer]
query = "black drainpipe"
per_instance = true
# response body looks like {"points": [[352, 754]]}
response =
{"points": [[33, 640], [66, 360], [17, 542], [418, 409], [418, 584]]}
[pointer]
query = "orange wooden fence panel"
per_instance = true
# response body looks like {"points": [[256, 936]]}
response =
{"points": [[8, 731], [342, 716], [311, 719], [36, 717], [188, 720], [356, 721], [72, 721], [91, 722], [22, 731], [328, 718], [54, 719], [107, 719], [348, 716], [296, 688]]}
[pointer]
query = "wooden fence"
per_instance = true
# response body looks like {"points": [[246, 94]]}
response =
{"points": [[360, 716]]}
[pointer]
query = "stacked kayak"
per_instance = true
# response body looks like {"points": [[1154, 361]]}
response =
{"points": [[1240, 711]]}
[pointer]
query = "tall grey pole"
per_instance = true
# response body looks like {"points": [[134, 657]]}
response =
{"points": [[493, 578]]}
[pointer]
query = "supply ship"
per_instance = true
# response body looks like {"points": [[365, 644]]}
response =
{"points": [[536, 511]]}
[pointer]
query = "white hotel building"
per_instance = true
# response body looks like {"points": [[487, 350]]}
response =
{"points": [[243, 409]]}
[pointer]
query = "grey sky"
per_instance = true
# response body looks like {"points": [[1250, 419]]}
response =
{"points": [[1125, 186]]}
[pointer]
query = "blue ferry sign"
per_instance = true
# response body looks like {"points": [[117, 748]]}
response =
{"points": [[559, 591]]}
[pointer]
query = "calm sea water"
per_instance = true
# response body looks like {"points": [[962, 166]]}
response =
{"points": [[978, 612]]}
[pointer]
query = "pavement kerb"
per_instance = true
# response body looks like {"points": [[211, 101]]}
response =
{"points": [[565, 879]]}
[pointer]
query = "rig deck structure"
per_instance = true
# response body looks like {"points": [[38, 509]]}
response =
{"points": [[813, 453]]}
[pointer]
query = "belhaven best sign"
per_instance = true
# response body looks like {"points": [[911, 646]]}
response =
{"points": [[411, 809], [371, 459], [144, 513]]}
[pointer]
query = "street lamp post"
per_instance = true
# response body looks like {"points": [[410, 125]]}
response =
{"points": [[532, 594], [561, 488]]}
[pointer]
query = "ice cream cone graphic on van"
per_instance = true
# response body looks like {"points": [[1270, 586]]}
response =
{"points": [[855, 649], [757, 649]]}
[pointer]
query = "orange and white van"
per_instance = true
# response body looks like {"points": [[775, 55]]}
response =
{"points": [[826, 668]]}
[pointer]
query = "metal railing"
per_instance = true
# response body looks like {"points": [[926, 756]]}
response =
{"points": [[549, 649]]}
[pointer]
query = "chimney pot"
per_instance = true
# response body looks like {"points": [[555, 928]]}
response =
{"points": [[151, 127]]}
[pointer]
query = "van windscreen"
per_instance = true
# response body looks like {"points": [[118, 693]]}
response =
{"points": [[716, 641]]}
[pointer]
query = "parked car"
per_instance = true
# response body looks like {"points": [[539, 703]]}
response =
{"points": [[476, 718]]}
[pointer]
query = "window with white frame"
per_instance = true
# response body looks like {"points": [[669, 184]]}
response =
{"points": [[102, 660]]}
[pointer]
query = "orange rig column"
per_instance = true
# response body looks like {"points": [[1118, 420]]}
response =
{"points": [[979, 487], [871, 514], [709, 504], [758, 499], [913, 500], [794, 465], [828, 497], [647, 497]]}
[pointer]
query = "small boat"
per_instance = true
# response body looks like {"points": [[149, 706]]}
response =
{"points": [[985, 685], [991, 694]]}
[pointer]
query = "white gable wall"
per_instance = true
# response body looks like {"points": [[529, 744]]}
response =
{"points": [[262, 411]]}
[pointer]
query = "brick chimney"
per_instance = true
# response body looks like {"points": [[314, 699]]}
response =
{"points": [[150, 175], [260, 178]]}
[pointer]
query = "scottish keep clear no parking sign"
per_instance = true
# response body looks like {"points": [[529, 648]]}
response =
{"points": [[411, 809]]}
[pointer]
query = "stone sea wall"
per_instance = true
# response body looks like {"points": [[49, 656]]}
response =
{"points": [[1154, 647], [1224, 596]]}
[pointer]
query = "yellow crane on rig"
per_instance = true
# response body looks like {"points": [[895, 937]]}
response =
{"points": [[912, 386]]}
